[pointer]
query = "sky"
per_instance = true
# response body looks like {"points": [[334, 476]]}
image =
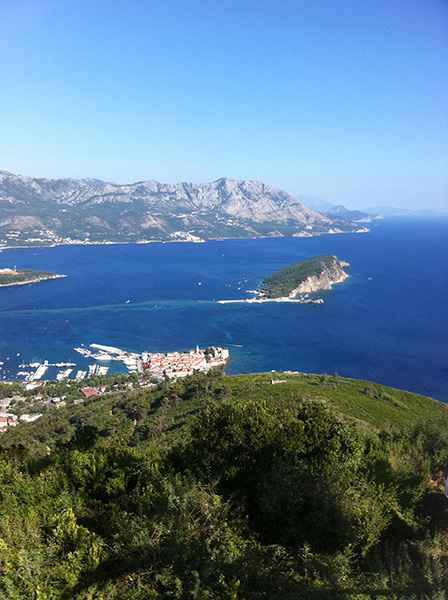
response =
{"points": [[342, 99]]}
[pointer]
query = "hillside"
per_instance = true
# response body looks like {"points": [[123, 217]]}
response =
{"points": [[252, 486], [45, 211], [303, 277]]}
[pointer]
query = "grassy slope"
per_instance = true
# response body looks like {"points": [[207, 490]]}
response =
{"points": [[139, 415], [377, 405]]}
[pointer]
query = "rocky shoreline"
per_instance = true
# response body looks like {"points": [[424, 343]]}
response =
{"points": [[324, 281]]}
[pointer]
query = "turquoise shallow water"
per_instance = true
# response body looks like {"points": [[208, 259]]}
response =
{"points": [[386, 323]]}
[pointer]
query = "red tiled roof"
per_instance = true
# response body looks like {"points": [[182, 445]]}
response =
{"points": [[88, 392]]}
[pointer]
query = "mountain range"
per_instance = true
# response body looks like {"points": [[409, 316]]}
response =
{"points": [[42, 211]]}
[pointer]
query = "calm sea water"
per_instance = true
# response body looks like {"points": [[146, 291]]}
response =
{"points": [[387, 323]]}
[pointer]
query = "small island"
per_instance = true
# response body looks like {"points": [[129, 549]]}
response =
{"points": [[304, 277], [10, 277], [296, 282]]}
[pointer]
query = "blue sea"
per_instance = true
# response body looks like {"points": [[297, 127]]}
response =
{"points": [[387, 323]]}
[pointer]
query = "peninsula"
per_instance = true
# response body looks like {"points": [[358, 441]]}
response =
{"points": [[304, 277], [10, 277]]}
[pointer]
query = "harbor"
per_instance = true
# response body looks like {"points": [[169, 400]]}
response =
{"points": [[101, 359]]}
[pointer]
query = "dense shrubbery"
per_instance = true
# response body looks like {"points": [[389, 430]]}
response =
{"points": [[287, 279], [228, 487]]}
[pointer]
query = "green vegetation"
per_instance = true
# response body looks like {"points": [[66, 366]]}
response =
{"points": [[25, 276], [283, 282], [219, 487]]}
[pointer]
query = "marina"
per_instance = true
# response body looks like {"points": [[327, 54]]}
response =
{"points": [[36, 369], [158, 364], [63, 374], [97, 370]]}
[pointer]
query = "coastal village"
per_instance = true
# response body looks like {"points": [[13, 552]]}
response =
{"points": [[177, 364], [144, 370], [159, 364]]}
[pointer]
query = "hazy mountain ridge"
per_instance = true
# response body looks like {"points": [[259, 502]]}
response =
{"points": [[392, 211], [365, 214], [69, 209], [339, 211]]}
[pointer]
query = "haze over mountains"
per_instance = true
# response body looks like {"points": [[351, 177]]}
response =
{"points": [[35, 211], [365, 214]]}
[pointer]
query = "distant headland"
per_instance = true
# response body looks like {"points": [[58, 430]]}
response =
{"points": [[10, 277]]}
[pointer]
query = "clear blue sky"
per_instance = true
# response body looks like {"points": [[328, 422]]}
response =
{"points": [[345, 99]]}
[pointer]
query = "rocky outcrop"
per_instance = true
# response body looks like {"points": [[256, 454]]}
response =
{"points": [[328, 277]]}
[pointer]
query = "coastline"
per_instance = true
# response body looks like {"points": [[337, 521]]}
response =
{"points": [[37, 280], [170, 241]]}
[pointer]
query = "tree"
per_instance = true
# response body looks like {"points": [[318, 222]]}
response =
{"points": [[297, 475]]}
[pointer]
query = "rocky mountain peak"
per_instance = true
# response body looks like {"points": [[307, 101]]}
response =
{"points": [[94, 210]]}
